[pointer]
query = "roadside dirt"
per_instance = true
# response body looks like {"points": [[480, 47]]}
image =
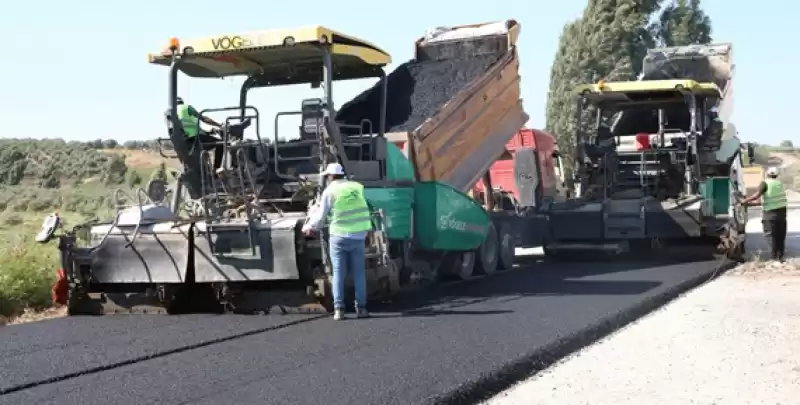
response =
{"points": [[34, 316]]}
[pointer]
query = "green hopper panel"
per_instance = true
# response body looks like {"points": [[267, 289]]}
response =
{"points": [[398, 167], [396, 204], [717, 194], [447, 219]]}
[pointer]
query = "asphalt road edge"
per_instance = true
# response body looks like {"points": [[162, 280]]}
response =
{"points": [[506, 376]]}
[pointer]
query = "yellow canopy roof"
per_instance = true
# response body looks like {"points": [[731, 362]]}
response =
{"points": [[287, 55], [628, 91]]}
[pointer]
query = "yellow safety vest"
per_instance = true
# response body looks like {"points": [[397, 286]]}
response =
{"points": [[349, 209], [190, 124], [775, 197]]}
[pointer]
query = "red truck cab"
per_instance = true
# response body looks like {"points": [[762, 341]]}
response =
{"points": [[530, 171]]}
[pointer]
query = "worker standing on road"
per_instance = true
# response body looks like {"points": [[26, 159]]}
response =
{"points": [[773, 217], [346, 210]]}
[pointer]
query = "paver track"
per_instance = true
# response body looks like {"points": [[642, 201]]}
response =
{"points": [[453, 344]]}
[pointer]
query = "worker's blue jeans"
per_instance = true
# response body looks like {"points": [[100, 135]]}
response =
{"points": [[347, 255]]}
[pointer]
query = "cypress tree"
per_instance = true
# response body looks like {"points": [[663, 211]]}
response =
{"points": [[608, 42], [568, 71], [683, 22]]}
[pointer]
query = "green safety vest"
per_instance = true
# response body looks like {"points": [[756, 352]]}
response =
{"points": [[775, 197], [349, 210], [190, 124]]}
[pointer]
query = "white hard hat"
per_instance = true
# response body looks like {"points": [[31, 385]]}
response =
{"points": [[333, 168], [772, 171]]}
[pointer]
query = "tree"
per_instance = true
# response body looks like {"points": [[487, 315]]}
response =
{"points": [[134, 178], [161, 173], [116, 170], [151, 144], [568, 70], [787, 144], [50, 181], [133, 144], [50, 177], [110, 144], [617, 36], [683, 22], [12, 173], [609, 42]]}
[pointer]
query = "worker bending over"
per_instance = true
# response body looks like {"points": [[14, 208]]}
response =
{"points": [[773, 217], [349, 220]]}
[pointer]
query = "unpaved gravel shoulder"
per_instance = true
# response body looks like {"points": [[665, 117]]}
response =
{"points": [[35, 316], [733, 341]]}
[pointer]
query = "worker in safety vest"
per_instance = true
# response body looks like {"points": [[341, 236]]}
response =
{"points": [[348, 216], [189, 118], [773, 217]]}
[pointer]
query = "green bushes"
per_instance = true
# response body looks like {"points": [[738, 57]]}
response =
{"points": [[83, 200], [27, 270], [37, 177]]}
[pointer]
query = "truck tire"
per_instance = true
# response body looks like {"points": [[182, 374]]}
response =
{"points": [[487, 254], [466, 265], [457, 266], [507, 250]]}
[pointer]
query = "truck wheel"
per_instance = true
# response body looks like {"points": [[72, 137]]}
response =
{"points": [[507, 252], [487, 253], [463, 265], [457, 266], [466, 267]]}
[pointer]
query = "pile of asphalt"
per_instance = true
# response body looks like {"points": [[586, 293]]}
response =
{"points": [[416, 91]]}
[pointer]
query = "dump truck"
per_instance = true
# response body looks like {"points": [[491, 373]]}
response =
{"points": [[507, 176], [660, 167], [229, 238]]}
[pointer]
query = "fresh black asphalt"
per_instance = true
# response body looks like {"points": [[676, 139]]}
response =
{"points": [[35, 353], [453, 344]]}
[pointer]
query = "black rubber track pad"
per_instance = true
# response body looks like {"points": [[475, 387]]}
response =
{"points": [[467, 338]]}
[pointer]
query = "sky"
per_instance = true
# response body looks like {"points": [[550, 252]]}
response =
{"points": [[78, 70]]}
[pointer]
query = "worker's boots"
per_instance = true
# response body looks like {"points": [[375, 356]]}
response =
{"points": [[338, 314]]}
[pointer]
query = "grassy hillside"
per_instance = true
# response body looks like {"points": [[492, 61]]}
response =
{"points": [[76, 179]]}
